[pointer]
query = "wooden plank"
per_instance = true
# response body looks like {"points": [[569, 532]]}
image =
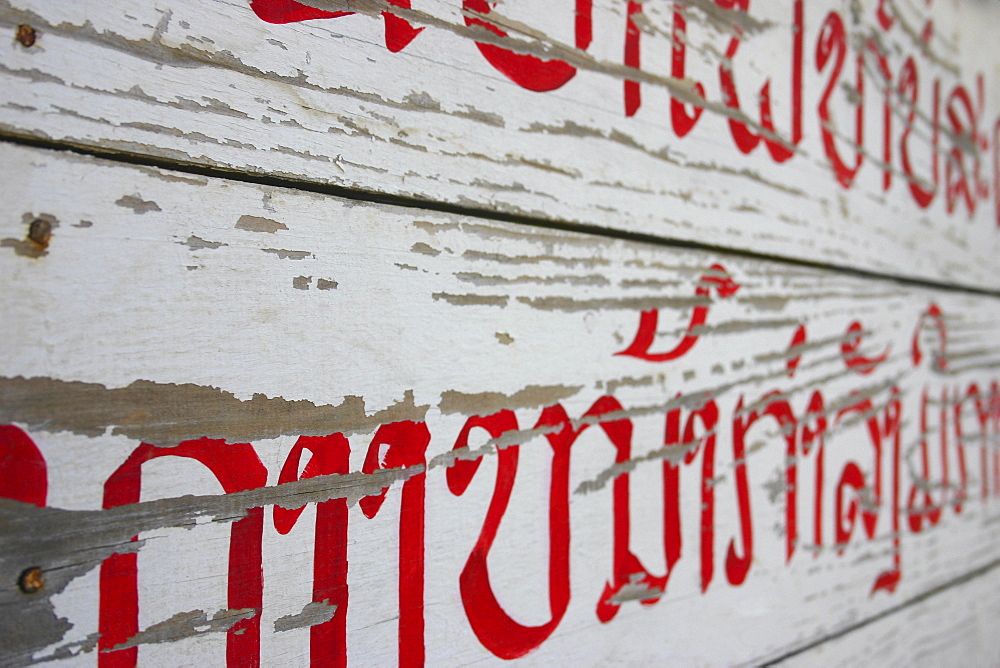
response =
{"points": [[169, 340], [442, 118], [953, 627]]}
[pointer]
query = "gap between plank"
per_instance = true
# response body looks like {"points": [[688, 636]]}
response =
{"points": [[444, 207], [919, 598]]}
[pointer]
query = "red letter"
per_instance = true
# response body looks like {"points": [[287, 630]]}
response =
{"points": [[525, 70], [927, 510], [817, 412], [988, 412], [962, 493], [708, 413], [640, 346], [908, 89], [940, 360], [966, 136], [852, 358], [289, 11], [798, 339], [23, 474], [237, 468], [996, 170], [398, 32], [626, 568], [833, 40], [887, 96], [778, 408], [407, 446], [682, 121], [496, 630], [853, 477], [632, 58], [746, 141], [886, 19], [330, 454]]}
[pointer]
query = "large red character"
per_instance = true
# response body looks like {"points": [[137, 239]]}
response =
{"points": [[717, 278], [329, 455], [401, 445], [398, 32], [495, 628], [237, 468], [526, 70], [23, 474]]}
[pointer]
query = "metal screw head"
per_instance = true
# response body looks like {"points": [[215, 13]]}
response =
{"points": [[26, 35], [40, 232], [31, 580]]}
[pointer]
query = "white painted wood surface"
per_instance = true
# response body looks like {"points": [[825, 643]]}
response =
{"points": [[728, 385], [325, 102], [169, 306], [956, 627]]}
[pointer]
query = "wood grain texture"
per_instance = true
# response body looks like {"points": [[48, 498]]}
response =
{"points": [[954, 627], [325, 102], [168, 308]]}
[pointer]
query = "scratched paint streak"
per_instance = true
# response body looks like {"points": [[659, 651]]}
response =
{"points": [[314, 612], [167, 414], [187, 625], [485, 403]]}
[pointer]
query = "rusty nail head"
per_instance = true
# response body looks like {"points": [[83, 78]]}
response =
{"points": [[26, 35], [31, 580], [40, 232]]}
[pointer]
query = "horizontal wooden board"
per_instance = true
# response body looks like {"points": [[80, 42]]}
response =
{"points": [[954, 627], [683, 457], [577, 115]]}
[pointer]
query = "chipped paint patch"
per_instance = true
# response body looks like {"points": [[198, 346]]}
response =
{"points": [[314, 613], [137, 204], [187, 625], [485, 403], [472, 300], [167, 414], [197, 243], [259, 224], [288, 254]]}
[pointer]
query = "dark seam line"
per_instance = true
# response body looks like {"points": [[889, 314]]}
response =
{"points": [[919, 598], [486, 214]]}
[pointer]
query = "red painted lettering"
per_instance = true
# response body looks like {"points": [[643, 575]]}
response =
{"points": [[402, 445], [329, 455], [237, 468], [526, 70]]}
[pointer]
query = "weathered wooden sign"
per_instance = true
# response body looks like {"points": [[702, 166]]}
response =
{"points": [[791, 128], [437, 333]]}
